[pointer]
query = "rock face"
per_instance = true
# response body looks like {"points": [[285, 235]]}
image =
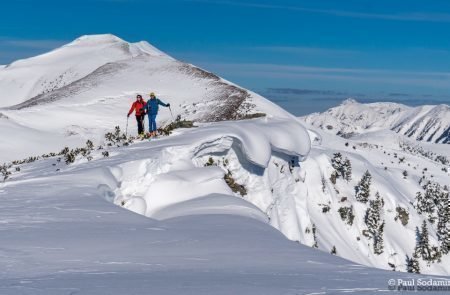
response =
{"points": [[425, 123]]}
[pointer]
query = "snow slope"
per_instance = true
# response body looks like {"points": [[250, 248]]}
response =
{"points": [[424, 123], [379, 153], [62, 234]]}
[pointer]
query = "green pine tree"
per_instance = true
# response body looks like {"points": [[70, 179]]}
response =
{"points": [[363, 188], [423, 244], [347, 170], [375, 224], [412, 264], [443, 225]]}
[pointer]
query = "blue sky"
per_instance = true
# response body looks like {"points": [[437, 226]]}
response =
{"points": [[288, 50]]}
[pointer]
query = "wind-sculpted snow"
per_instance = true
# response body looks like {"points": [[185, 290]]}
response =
{"points": [[259, 138], [179, 176]]}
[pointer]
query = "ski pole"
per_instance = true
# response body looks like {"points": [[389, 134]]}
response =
{"points": [[171, 113], [126, 130], [143, 123]]}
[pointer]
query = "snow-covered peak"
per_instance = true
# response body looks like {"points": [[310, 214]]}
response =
{"points": [[27, 78], [349, 101], [95, 39], [101, 40]]}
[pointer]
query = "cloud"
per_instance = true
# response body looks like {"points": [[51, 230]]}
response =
{"points": [[308, 50], [13, 49], [399, 95], [277, 71], [32, 44], [311, 69], [407, 16], [296, 91]]}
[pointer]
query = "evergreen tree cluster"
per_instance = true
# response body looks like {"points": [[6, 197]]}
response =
{"points": [[70, 155], [362, 190], [434, 204], [5, 172], [342, 167], [347, 214], [443, 224], [419, 150], [423, 248], [115, 138], [426, 203]]}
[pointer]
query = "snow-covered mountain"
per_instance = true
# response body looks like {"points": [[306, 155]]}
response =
{"points": [[424, 123], [207, 193], [86, 87]]}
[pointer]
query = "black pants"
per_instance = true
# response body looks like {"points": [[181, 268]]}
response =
{"points": [[140, 123]]}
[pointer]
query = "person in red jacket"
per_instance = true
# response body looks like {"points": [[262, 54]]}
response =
{"points": [[138, 108]]}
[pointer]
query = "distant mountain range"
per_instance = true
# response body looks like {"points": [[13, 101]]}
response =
{"points": [[424, 123]]}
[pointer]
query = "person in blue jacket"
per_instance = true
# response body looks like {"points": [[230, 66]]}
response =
{"points": [[151, 108]]}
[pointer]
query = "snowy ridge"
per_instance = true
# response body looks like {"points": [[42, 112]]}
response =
{"points": [[424, 123]]}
